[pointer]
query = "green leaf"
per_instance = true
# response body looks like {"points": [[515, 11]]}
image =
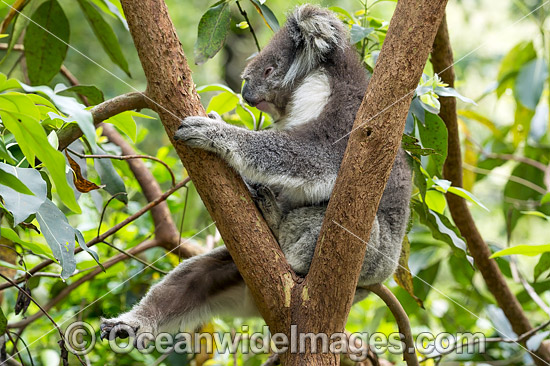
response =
{"points": [[436, 201], [105, 35], [59, 234], [530, 82], [444, 91], [536, 213], [124, 122], [46, 42], [213, 28], [441, 227], [3, 322], [269, 18], [223, 103], [5, 153], [94, 95], [413, 145], [522, 53], [545, 199], [215, 87], [19, 204], [83, 245], [109, 176], [358, 33], [543, 265], [467, 195], [11, 181], [6, 84], [31, 136], [523, 249], [35, 247], [433, 134]]}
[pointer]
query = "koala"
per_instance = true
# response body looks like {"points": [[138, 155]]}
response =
{"points": [[310, 79]]}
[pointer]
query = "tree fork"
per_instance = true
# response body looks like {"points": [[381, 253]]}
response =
{"points": [[442, 61]]}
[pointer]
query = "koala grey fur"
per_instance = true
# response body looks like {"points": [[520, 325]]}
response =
{"points": [[309, 78]]}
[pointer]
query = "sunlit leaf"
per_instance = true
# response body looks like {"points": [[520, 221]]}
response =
{"points": [[523, 249], [522, 53], [35, 247], [223, 103], [436, 201], [467, 195], [433, 134]]}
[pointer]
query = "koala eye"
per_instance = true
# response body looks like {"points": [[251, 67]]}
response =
{"points": [[268, 71]]}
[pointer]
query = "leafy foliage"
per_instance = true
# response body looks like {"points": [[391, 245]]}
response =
{"points": [[44, 213]]}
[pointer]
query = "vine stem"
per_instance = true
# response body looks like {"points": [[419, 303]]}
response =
{"points": [[245, 16]]}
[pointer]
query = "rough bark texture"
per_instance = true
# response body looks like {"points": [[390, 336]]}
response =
{"points": [[321, 302], [442, 61], [370, 153], [172, 95]]}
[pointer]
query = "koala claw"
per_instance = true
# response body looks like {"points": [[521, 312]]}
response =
{"points": [[215, 116], [112, 329], [196, 132]]}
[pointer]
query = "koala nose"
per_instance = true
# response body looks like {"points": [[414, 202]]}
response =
{"points": [[247, 94]]}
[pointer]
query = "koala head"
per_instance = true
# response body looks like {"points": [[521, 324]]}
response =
{"points": [[311, 38]]}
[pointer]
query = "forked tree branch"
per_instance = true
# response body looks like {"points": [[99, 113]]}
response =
{"points": [[442, 61]]}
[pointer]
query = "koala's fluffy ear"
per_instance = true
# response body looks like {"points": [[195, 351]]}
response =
{"points": [[317, 33]]}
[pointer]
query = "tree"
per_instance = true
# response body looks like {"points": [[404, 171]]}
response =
{"points": [[40, 120]]}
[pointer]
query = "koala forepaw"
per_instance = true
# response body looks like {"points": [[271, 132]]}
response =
{"points": [[215, 116], [127, 326]]}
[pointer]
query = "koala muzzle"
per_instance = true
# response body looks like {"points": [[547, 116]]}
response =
{"points": [[248, 95]]}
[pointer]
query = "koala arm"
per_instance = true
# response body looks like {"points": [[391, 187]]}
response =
{"points": [[305, 171]]}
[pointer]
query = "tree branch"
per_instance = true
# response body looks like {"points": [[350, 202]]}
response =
{"points": [[101, 112], [442, 61], [402, 320], [173, 96], [67, 290], [367, 162]]}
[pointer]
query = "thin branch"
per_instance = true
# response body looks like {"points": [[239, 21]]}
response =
{"points": [[458, 346], [42, 311], [402, 320], [67, 290], [512, 178], [128, 157], [187, 250], [101, 112], [113, 197], [442, 61], [130, 255], [518, 277], [245, 16]]}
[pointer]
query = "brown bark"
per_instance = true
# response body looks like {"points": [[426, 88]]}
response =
{"points": [[320, 303], [442, 61], [369, 156], [173, 96]]}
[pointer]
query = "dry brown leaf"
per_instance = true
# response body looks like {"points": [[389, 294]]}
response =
{"points": [[403, 275], [82, 184]]}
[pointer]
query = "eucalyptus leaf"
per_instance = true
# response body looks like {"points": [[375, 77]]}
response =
{"points": [[530, 82], [46, 42], [213, 28], [523, 249], [22, 205], [59, 234], [105, 35]]}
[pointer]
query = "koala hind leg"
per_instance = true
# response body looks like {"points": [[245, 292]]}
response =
{"points": [[198, 289]]}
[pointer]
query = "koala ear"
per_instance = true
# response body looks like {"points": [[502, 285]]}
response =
{"points": [[316, 33]]}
